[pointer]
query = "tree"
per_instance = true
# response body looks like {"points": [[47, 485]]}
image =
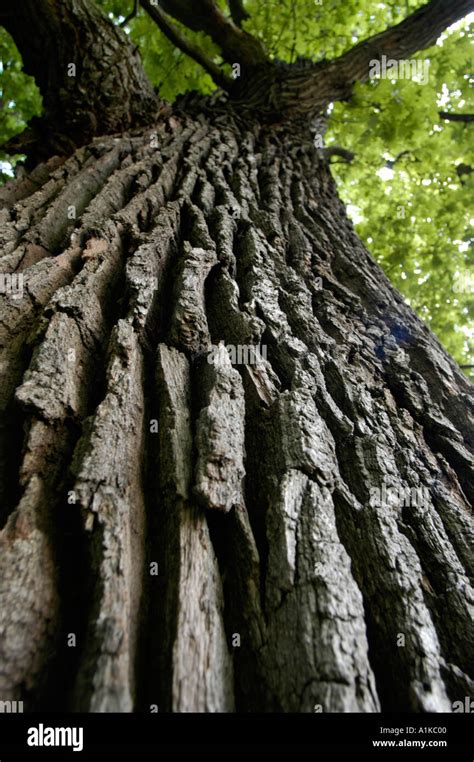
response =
{"points": [[237, 466]]}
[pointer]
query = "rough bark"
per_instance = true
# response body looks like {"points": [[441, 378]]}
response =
{"points": [[90, 76], [283, 583], [108, 92]]}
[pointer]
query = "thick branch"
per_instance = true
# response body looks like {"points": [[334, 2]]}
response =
{"points": [[236, 45], [181, 42], [306, 89], [238, 12], [456, 117], [417, 32], [344, 153], [89, 74]]}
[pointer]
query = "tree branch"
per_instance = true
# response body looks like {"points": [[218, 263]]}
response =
{"points": [[182, 42], [344, 153], [456, 117], [131, 15], [417, 32], [307, 88], [205, 16], [391, 164], [237, 12]]}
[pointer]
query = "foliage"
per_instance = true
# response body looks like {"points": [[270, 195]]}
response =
{"points": [[406, 192], [405, 188], [170, 70], [20, 99], [319, 30]]}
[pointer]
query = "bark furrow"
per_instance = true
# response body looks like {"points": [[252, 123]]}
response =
{"points": [[261, 455]]}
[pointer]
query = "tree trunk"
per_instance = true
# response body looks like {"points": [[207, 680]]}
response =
{"points": [[201, 535], [89, 74]]}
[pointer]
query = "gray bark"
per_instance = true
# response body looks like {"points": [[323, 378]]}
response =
{"points": [[90, 75], [283, 583]]}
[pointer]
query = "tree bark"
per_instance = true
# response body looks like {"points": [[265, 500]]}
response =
{"points": [[213, 533], [90, 76]]}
